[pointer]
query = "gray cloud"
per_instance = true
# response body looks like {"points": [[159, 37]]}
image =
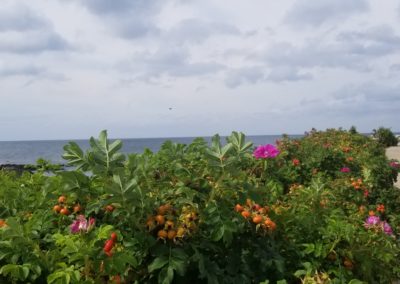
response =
{"points": [[20, 19], [374, 41], [237, 77], [368, 104], [313, 54], [29, 70], [316, 13], [370, 93], [23, 31], [257, 74], [356, 101], [287, 73], [106, 7], [398, 11], [395, 67], [129, 18], [33, 42], [351, 49], [168, 61], [197, 30]]}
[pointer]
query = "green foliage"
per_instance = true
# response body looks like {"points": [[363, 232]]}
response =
{"points": [[204, 213], [385, 137]]}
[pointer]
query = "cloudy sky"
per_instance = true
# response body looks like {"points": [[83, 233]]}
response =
{"points": [[164, 68]]}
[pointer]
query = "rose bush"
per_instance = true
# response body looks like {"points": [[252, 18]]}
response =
{"points": [[321, 208]]}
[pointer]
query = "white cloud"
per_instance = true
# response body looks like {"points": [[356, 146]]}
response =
{"points": [[71, 68], [316, 13]]}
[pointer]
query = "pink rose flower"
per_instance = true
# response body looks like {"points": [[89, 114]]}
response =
{"points": [[372, 221], [82, 225], [345, 170], [266, 151], [394, 165]]}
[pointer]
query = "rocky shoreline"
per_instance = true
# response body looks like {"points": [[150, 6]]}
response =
{"points": [[20, 168]]}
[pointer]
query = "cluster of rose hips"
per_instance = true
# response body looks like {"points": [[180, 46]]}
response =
{"points": [[295, 162], [295, 186], [346, 149], [357, 184], [109, 208], [168, 225], [109, 244], [347, 263], [3, 223], [380, 208], [62, 207], [256, 214]]}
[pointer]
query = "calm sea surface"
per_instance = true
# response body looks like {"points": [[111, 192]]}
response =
{"points": [[27, 152]]}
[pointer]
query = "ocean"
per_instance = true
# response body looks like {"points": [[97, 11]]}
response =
{"points": [[28, 152]]}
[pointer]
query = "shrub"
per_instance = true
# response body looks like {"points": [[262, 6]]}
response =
{"points": [[200, 213], [385, 137]]}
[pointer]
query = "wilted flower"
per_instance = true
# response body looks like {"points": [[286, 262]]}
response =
{"points": [[266, 151], [345, 170], [327, 145], [82, 225], [296, 162], [386, 228]]}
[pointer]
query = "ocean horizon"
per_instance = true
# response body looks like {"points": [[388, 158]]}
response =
{"points": [[28, 152]]}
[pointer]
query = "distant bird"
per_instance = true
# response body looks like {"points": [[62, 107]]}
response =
{"points": [[170, 108]]}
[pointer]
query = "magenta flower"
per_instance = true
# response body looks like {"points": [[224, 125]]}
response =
{"points": [[372, 221], [386, 228], [82, 225], [345, 170], [394, 165], [266, 151]]}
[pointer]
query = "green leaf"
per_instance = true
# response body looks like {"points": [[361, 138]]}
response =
{"points": [[120, 261], [59, 277], [238, 142], [74, 155], [114, 147], [19, 272], [309, 248], [300, 273], [356, 281], [226, 149], [166, 275], [178, 261], [218, 233], [158, 263], [104, 232]]}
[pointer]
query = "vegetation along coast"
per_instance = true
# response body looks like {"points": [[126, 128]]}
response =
{"points": [[322, 208]]}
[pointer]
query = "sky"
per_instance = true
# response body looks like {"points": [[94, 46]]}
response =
{"points": [[170, 68]]}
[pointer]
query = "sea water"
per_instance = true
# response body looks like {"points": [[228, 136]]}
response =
{"points": [[28, 152]]}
